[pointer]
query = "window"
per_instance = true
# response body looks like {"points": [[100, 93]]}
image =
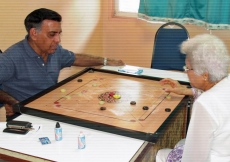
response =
{"points": [[126, 8]]}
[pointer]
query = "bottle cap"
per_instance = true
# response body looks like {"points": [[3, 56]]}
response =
{"points": [[58, 125]]}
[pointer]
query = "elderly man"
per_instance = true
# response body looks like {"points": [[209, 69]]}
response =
{"points": [[34, 63]]}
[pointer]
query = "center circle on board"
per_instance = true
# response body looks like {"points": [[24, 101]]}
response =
{"points": [[110, 97]]}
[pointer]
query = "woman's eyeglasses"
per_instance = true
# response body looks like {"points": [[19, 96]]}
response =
{"points": [[186, 69]]}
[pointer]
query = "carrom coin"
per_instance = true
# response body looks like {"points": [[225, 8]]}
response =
{"points": [[167, 110], [79, 80], [133, 103], [103, 108]]}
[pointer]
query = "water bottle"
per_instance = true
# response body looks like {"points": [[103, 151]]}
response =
{"points": [[58, 132], [81, 141]]}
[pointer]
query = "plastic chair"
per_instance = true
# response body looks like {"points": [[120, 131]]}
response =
{"points": [[166, 52]]}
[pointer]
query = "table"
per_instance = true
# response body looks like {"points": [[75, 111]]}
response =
{"points": [[140, 144], [100, 146]]}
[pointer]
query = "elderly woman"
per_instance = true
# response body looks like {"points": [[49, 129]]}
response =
{"points": [[208, 136]]}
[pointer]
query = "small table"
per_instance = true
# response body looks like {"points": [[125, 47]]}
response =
{"points": [[100, 146]]}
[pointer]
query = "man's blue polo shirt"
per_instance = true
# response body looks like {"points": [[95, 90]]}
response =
{"points": [[23, 73]]}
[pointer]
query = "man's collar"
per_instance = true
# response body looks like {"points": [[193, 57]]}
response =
{"points": [[28, 48]]}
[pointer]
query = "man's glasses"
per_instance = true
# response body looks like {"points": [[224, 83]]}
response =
{"points": [[186, 69]]}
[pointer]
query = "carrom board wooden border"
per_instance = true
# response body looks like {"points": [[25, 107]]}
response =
{"points": [[151, 137]]}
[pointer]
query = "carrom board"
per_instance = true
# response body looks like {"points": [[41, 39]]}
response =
{"points": [[131, 105]]}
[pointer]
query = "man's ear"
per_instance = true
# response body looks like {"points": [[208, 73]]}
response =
{"points": [[33, 34]]}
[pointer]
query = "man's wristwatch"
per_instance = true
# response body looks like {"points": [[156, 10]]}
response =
{"points": [[105, 61]]}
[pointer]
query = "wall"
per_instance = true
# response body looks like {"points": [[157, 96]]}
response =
{"points": [[81, 25], [89, 27], [132, 40]]}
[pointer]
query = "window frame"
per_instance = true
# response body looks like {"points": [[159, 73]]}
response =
{"points": [[118, 13]]}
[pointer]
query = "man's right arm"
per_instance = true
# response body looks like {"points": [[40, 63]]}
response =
{"points": [[9, 101]]}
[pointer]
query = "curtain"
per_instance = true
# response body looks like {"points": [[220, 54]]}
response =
{"points": [[211, 14]]}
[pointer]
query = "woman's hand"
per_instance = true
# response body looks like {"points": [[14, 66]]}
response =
{"points": [[175, 87]]}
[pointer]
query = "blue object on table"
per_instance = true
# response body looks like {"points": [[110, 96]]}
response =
{"points": [[136, 71], [166, 50]]}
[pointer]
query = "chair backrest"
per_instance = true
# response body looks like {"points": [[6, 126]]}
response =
{"points": [[166, 50]]}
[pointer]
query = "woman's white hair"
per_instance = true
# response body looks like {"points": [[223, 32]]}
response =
{"points": [[207, 53]]}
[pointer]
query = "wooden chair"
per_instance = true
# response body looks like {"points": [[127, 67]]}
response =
{"points": [[1, 104]]}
